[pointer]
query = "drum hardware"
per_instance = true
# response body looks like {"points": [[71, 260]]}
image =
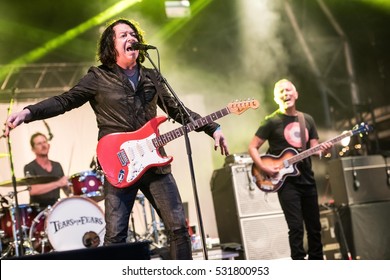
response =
{"points": [[15, 233], [37, 234], [1, 238], [14, 183], [152, 233], [11, 249]]}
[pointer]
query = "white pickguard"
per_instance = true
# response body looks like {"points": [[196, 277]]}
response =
{"points": [[141, 153]]}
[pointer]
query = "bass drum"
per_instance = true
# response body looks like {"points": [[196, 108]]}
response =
{"points": [[75, 223]]}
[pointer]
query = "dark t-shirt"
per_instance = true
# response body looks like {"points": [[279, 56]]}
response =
{"points": [[34, 169], [283, 132]]}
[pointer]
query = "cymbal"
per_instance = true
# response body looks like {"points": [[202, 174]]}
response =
{"points": [[27, 181], [3, 155]]}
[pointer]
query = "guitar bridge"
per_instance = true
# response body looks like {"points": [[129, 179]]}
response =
{"points": [[123, 159]]}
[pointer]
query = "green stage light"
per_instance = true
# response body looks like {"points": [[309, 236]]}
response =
{"points": [[378, 3], [68, 35]]}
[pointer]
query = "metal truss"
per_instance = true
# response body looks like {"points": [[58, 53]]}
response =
{"points": [[37, 81], [339, 113]]}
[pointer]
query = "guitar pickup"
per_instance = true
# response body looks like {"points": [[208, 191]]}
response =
{"points": [[124, 160]]}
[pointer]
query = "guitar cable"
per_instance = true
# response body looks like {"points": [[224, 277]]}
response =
{"points": [[387, 171], [251, 184], [356, 182]]}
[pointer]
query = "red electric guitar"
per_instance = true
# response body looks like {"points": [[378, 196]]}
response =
{"points": [[288, 159], [125, 156]]}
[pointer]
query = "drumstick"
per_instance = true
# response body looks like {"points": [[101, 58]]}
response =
{"points": [[70, 159], [67, 189]]}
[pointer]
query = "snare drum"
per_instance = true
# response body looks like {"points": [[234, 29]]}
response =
{"points": [[88, 184], [75, 223]]}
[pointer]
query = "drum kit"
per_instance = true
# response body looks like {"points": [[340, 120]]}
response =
{"points": [[74, 222]]}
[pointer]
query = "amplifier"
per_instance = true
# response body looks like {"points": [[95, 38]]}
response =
{"points": [[248, 216], [360, 179], [238, 159]]}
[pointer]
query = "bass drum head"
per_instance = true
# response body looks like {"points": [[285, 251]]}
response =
{"points": [[75, 223]]}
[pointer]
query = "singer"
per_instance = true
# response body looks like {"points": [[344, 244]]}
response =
{"points": [[124, 95]]}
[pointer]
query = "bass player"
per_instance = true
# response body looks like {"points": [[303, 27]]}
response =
{"points": [[298, 194]]}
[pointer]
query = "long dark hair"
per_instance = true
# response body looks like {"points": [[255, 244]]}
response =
{"points": [[106, 49]]}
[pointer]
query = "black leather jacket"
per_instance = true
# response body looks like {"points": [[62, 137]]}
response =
{"points": [[117, 106]]}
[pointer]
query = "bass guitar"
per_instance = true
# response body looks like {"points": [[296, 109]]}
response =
{"points": [[287, 160], [125, 156]]}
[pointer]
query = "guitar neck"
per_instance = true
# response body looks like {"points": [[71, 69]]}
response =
{"points": [[317, 148], [163, 139]]}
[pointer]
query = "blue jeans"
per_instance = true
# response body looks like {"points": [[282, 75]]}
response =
{"points": [[300, 207], [163, 194]]}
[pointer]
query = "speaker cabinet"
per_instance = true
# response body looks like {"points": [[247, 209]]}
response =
{"points": [[235, 184], [360, 179], [265, 237], [366, 227], [248, 216]]}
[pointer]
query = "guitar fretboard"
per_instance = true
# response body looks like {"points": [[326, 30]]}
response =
{"points": [[317, 148], [163, 139]]}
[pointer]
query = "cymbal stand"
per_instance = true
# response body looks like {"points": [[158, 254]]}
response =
{"points": [[154, 232], [133, 226], [154, 223], [18, 249], [1, 241], [24, 242]]}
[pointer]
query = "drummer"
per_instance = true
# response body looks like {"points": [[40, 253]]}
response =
{"points": [[45, 194]]}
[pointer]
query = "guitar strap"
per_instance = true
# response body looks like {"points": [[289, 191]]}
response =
{"points": [[302, 126]]}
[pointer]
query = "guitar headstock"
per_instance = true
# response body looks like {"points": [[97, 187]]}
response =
{"points": [[362, 128], [239, 107]]}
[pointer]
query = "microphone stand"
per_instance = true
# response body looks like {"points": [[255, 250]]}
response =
{"points": [[189, 153], [17, 212]]}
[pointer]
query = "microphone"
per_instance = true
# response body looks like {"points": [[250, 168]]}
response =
{"points": [[142, 47], [48, 130], [93, 163]]}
